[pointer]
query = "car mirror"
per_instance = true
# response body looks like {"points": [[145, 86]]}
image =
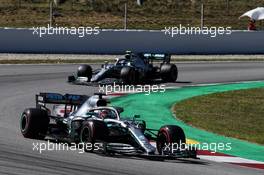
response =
{"points": [[136, 116]]}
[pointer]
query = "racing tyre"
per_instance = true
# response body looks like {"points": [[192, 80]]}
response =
{"points": [[34, 123], [128, 75], [170, 136], [92, 131], [169, 72], [85, 71]]}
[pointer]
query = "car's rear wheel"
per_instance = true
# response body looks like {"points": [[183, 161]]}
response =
{"points": [[169, 72], [170, 136], [34, 123], [128, 75], [85, 71]]}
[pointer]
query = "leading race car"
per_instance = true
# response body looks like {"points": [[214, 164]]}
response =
{"points": [[132, 69], [91, 120]]}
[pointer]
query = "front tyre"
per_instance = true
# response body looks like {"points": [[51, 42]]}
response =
{"points": [[85, 71], [170, 136], [34, 123], [92, 131]]}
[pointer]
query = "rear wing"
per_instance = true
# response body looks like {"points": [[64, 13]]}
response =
{"points": [[159, 57], [71, 100], [55, 98]]}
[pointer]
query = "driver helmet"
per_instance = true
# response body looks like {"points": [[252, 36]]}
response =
{"points": [[104, 114], [128, 54]]}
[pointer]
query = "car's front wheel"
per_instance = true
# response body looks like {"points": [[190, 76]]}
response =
{"points": [[170, 138], [85, 71], [92, 131]]}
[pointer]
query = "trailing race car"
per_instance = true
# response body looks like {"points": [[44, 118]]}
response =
{"points": [[132, 69], [90, 120]]}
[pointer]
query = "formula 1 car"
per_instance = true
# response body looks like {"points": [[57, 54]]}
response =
{"points": [[91, 120], [132, 69]]}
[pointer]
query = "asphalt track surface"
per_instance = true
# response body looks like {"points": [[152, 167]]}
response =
{"points": [[19, 84]]}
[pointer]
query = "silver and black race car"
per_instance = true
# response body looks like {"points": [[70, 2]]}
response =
{"points": [[91, 120], [132, 69]]}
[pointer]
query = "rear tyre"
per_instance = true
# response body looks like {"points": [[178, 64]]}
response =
{"points": [[128, 75], [169, 72], [92, 131], [85, 71], [169, 135], [34, 123]]}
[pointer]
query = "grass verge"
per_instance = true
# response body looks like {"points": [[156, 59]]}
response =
{"points": [[238, 114], [153, 14]]}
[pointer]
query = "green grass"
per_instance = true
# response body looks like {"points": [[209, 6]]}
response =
{"points": [[154, 14], [238, 114]]}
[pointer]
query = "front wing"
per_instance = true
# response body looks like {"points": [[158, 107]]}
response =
{"points": [[128, 150]]}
